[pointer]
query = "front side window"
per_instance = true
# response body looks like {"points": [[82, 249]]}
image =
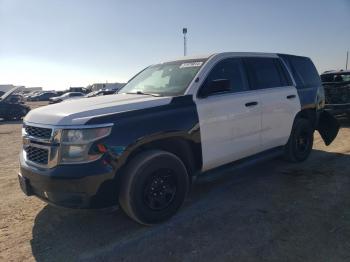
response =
{"points": [[230, 70], [265, 73], [168, 79]]}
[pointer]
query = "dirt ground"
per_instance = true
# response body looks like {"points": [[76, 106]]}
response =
{"points": [[274, 211]]}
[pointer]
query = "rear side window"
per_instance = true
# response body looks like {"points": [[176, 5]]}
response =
{"points": [[304, 71], [231, 69], [266, 72]]}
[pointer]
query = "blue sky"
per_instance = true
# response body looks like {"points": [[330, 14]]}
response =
{"points": [[62, 43]]}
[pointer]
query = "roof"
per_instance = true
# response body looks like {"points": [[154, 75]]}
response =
{"points": [[206, 56]]}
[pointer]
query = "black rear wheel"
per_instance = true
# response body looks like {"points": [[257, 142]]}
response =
{"points": [[153, 187], [300, 142]]}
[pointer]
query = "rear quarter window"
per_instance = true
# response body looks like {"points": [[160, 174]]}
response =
{"points": [[304, 71]]}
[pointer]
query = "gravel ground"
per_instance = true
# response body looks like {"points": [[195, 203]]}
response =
{"points": [[274, 211]]}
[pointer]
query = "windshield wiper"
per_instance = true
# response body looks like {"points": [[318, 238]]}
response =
{"points": [[142, 93]]}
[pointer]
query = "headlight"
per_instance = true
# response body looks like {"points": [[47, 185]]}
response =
{"points": [[76, 144], [84, 136]]}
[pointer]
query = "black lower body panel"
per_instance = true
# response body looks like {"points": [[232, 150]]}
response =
{"points": [[86, 187]]}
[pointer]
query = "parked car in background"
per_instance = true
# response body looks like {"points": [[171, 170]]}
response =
{"points": [[43, 96], [101, 92], [16, 98], [337, 91], [31, 94], [66, 96], [11, 107]]}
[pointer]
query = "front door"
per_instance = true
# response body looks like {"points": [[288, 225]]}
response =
{"points": [[230, 121]]}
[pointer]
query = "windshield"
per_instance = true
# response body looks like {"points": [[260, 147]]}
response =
{"points": [[168, 79]]}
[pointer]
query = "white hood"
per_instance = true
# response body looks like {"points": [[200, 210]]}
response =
{"points": [[79, 111]]}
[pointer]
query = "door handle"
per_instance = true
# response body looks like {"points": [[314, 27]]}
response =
{"points": [[249, 104], [291, 96]]}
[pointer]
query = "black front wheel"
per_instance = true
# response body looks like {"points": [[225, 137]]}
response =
{"points": [[300, 142], [153, 187]]}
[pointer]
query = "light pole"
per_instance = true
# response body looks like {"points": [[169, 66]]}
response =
{"points": [[347, 60], [184, 31]]}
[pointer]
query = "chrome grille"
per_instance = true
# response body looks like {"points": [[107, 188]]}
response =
{"points": [[38, 132], [37, 155], [41, 145]]}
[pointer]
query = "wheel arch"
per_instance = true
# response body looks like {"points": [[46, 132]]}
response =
{"points": [[186, 149], [308, 114]]}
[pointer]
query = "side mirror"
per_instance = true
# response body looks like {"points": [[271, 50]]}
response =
{"points": [[215, 86]]}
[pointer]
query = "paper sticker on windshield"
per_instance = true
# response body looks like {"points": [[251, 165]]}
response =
{"points": [[192, 64]]}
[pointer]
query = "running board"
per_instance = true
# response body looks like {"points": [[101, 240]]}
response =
{"points": [[224, 170]]}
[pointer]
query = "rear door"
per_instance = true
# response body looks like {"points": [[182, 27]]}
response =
{"points": [[230, 122], [279, 99], [307, 80], [311, 94]]}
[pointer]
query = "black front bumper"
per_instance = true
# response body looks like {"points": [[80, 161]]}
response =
{"points": [[91, 185]]}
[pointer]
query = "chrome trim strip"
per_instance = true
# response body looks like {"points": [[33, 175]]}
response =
{"points": [[33, 138], [68, 127]]}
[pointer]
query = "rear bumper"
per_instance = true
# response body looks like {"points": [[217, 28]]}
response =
{"points": [[83, 186]]}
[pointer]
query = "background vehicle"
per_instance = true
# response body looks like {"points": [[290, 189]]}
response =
{"points": [[173, 122], [31, 94], [44, 96], [101, 92], [16, 98], [337, 90], [66, 96], [11, 106]]}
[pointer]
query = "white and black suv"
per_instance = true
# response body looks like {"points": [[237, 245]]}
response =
{"points": [[172, 122]]}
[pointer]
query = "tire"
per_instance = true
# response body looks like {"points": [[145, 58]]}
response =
{"points": [[153, 187], [300, 142]]}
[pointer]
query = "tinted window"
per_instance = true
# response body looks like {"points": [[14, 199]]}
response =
{"points": [[232, 70], [304, 71], [265, 73]]}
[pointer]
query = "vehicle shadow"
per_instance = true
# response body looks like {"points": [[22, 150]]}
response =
{"points": [[67, 235]]}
